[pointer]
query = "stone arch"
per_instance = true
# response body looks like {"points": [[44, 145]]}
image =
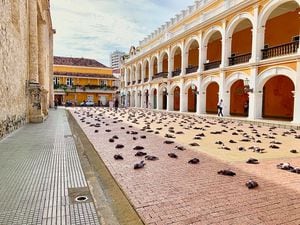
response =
{"points": [[164, 65], [190, 41], [210, 32], [265, 75], [207, 80], [268, 9], [234, 77], [236, 20], [174, 48], [188, 84]]}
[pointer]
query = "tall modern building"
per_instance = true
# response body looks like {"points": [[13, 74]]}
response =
{"points": [[115, 59], [244, 52]]}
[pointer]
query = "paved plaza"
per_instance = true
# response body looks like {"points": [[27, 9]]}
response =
{"points": [[171, 191], [40, 173]]}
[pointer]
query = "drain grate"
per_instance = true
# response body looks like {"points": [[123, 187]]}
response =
{"points": [[81, 198], [79, 195]]}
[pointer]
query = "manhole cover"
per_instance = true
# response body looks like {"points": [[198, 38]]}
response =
{"points": [[81, 198]]}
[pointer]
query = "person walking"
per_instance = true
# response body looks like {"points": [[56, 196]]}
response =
{"points": [[116, 104], [220, 108], [55, 103]]}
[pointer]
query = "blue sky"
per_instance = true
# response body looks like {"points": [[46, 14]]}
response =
{"points": [[95, 28]]}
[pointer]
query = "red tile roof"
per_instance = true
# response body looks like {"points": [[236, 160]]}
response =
{"points": [[70, 61]]}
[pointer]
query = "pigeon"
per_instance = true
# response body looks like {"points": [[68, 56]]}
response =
{"points": [[115, 137], [274, 146], [251, 184], [295, 170], [143, 137], [168, 142], [232, 141], [139, 153], [252, 161], [227, 172], [194, 161], [285, 166], [111, 140], [107, 130], [294, 151], [151, 157], [96, 131], [181, 148], [118, 157], [119, 146], [139, 165], [173, 155], [194, 144], [138, 147]]}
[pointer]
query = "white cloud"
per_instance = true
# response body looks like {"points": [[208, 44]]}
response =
{"points": [[95, 28]]}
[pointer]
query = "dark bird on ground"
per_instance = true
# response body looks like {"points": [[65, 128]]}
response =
{"points": [[139, 165], [274, 146], [194, 161], [115, 137], [295, 170], [138, 147], [118, 157], [140, 153], [294, 151], [168, 142], [119, 146], [134, 138], [252, 161], [151, 157], [108, 130], [111, 140], [181, 148], [194, 144], [232, 141], [143, 136], [219, 143], [285, 166], [96, 131], [242, 149], [173, 155], [251, 184], [227, 172]]}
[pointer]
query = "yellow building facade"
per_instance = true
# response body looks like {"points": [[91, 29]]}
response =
{"points": [[245, 52], [78, 80]]}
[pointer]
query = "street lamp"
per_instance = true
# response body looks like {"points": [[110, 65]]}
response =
{"points": [[194, 89], [247, 86], [165, 92]]}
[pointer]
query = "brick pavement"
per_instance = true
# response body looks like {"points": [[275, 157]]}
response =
{"points": [[39, 163], [171, 191]]}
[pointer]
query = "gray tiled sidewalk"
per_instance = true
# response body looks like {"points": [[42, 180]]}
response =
{"points": [[38, 163]]}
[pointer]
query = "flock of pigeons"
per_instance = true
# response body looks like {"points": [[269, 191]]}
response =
{"points": [[187, 122]]}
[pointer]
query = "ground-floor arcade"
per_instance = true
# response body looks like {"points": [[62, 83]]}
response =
{"points": [[272, 93]]}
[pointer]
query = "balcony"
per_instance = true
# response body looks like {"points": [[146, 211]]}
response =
{"points": [[279, 50], [191, 69], [84, 88], [176, 72], [146, 79], [128, 83], [160, 75], [212, 65], [238, 59]]}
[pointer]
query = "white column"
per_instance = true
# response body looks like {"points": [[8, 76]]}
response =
{"points": [[170, 63], [224, 94], [201, 56], [143, 73], [136, 99], [170, 99], [256, 37], [183, 97], [297, 96], [159, 96], [143, 99], [159, 63], [255, 98], [225, 40], [199, 100], [183, 58]]}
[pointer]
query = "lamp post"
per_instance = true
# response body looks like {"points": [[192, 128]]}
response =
{"points": [[247, 88], [194, 89]]}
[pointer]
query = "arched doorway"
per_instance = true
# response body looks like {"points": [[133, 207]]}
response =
{"points": [[192, 99], [278, 101], [239, 100], [146, 98], [176, 98], [212, 92], [155, 99], [164, 99]]}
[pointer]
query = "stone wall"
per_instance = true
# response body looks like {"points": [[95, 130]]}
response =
{"points": [[15, 51], [13, 65]]}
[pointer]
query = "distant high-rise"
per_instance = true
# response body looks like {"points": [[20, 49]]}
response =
{"points": [[115, 59]]}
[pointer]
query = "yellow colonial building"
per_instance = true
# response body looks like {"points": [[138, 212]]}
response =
{"points": [[245, 52], [78, 80]]}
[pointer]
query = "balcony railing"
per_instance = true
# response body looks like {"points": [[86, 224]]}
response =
{"points": [[176, 73], [238, 59], [279, 50], [128, 83], [82, 88], [191, 69], [212, 65], [146, 79], [160, 75], [133, 82], [139, 81]]}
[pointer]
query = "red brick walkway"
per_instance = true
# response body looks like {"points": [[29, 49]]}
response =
{"points": [[171, 191]]}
